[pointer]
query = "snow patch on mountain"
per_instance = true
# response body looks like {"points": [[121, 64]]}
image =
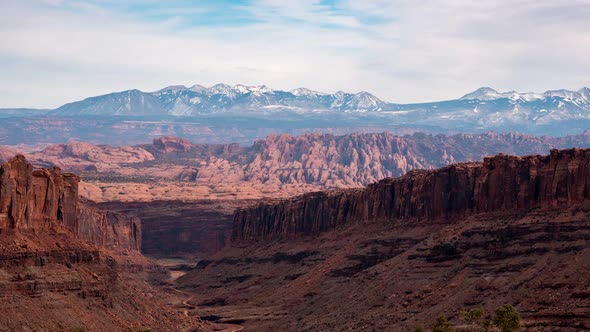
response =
{"points": [[307, 92], [483, 93], [486, 94]]}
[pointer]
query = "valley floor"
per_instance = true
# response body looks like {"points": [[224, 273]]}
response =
{"points": [[396, 277]]}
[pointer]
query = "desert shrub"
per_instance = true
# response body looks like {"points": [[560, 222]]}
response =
{"points": [[507, 319], [442, 325], [473, 316]]}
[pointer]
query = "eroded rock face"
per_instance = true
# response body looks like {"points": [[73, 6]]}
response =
{"points": [[110, 230], [36, 199], [47, 198], [498, 183], [181, 229]]}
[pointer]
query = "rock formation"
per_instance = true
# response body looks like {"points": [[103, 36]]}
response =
{"points": [[110, 230], [280, 165], [167, 144], [499, 183], [36, 199], [44, 199], [67, 266]]}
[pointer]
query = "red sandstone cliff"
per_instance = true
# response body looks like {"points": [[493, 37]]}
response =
{"points": [[498, 183], [47, 198], [107, 229]]}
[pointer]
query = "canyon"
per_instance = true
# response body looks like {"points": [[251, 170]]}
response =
{"points": [[185, 193], [398, 253], [151, 180], [315, 232]]}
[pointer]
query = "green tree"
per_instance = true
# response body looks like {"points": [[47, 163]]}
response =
{"points": [[507, 319], [442, 325]]}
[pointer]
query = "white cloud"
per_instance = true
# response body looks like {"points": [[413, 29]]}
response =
{"points": [[52, 52]]}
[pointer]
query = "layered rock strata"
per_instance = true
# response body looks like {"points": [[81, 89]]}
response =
{"points": [[44, 199], [498, 183]]}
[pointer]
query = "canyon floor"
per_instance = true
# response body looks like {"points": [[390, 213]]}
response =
{"points": [[66, 284], [397, 277]]}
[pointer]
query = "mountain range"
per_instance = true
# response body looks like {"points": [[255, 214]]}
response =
{"points": [[179, 100], [197, 100], [240, 113]]}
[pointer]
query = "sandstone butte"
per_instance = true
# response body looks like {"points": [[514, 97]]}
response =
{"points": [[47, 198], [499, 183]]}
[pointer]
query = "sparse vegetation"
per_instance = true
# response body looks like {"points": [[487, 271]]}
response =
{"points": [[507, 319], [474, 318], [442, 325]]}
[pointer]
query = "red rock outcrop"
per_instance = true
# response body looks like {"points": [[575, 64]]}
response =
{"points": [[167, 144], [498, 183], [47, 198], [36, 199]]}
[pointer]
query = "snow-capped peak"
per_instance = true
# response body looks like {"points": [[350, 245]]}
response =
{"points": [[365, 100], [198, 88], [220, 88], [585, 93], [483, 93], [306, 92], [562, 93], [365, 97], [340, 94], [491, 94], [527, 96], [241, 88], [252, 89], [260, 89]]}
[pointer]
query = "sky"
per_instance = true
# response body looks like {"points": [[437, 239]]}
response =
{"points": [[403, 51]]}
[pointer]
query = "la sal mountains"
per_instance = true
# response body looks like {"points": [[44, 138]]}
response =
{"points": [[239, 113], [181, 101]]}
